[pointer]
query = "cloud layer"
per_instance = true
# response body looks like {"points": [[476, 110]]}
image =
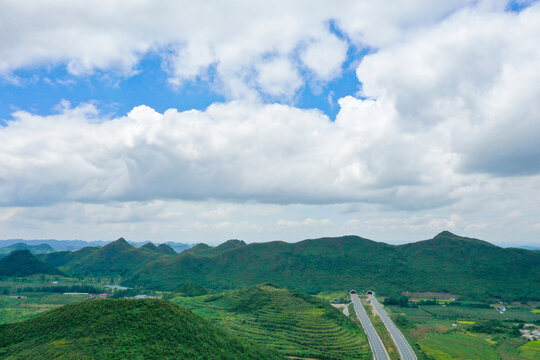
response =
{"points": [[448, 116], [232, 44]]}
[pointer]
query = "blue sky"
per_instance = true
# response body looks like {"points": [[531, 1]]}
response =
{"points": [[40, 89], [391, 121]]}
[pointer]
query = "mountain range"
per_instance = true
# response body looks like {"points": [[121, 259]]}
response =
{"points": [[72, 245], [447, 263]]}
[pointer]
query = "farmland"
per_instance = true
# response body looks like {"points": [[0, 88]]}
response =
{"points": [[444, 332]]}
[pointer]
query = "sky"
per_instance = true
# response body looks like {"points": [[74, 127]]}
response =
{"points": [[197, 121]]}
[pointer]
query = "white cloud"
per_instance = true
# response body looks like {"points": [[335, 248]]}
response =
{"points": [[278, 77], [324, 56], [234, 38], [235, 151], [472, 81], [449, 122]]}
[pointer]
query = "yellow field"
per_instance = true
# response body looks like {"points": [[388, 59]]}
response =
{"points": [[466, 322], [530, 350]]}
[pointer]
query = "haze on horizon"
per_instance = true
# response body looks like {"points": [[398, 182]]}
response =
{"points": [[188, 122]]}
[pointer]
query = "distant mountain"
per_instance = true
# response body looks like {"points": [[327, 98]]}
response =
{"points": [[178, 247], [23, 263], [124, 329], [469, 267], [34, 249], [166, 249], [55, 244], [115, 258], [72, 245], [209, 251]]}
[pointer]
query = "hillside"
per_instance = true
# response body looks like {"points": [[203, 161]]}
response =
{"points": [[61, 258], [34, 249], [209, 251], [116, 258], [166, 249], [124, 329], [294, 324], [23, 263], [469, 267]]}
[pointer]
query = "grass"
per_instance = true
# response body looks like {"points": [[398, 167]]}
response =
{"points": [[457, 345], [294, 324], [530, 350], [12, 310], [438, 339], [472, 313]]}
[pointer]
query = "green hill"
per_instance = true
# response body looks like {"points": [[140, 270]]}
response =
{"points": [[61, 258], [469, 267], [209, 251], [23, 263], [34, 249], [163, 248], [124, 329], [294, 324], [115, 258], [166, 249]]}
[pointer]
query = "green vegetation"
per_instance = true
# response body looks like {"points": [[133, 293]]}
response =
{"points": [[124, 329], [165, 249], [115, 259], [461, 332], [457, 345], [34, 249], [189, 289], [33, 304], [204, 250], [530, 351], [447, 263], [295, 324], [23, 263]]}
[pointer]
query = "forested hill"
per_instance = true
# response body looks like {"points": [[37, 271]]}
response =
{"points": [[469, 267], [124, 329], [23, 263]]}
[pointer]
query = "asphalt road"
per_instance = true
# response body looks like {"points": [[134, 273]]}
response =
{"points": [[377, 347], [404, 349]]}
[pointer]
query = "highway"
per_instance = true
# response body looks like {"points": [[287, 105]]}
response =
{"points": [[375, 342], [404, 349]]}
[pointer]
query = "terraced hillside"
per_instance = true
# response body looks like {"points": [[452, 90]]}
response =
{"points": [[124, 329], [295, 324]]}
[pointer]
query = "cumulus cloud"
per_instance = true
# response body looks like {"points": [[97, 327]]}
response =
{"points": [[443, 107], [233, 39], [473, 82], [448, 117], [235, 151]]}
